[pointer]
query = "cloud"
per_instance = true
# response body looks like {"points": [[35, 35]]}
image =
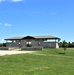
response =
{"points": [[11, 1], [17, 0], [5, 24], [2, 1], [8, 25]]}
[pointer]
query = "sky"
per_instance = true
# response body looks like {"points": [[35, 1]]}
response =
{"points": [[37, 17]]}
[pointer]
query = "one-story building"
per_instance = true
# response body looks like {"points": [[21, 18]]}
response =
{"points": [[36, 42]]}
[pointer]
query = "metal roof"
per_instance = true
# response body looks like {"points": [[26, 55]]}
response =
{"points": [[36, 37], [14, 38], [46, 37]]}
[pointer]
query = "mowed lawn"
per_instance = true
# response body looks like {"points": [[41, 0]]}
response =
{"points": [[46, 62]]}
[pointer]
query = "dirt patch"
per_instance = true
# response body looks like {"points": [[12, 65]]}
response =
{"points": [[4, 52]]}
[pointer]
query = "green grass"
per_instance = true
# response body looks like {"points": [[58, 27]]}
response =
{"points": [[46, 62]]}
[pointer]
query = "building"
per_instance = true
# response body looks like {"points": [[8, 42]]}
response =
{"points": [[33, 42]]}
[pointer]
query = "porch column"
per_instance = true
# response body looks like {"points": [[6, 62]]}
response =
{"points": [[55, 40]]}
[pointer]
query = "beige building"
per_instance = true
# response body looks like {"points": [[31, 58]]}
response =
{"points": [[33, 42]]}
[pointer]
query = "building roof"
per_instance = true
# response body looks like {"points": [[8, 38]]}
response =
{"points": [[46, 37], [14, 38], [33, 37]]}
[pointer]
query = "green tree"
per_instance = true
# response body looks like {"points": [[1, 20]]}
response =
{"points": [[72, 44], [60, 44], [1, 44], [4, 44], [69, 44], [64, 45]]}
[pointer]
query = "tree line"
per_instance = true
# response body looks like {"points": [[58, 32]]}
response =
{"points": [[2, 44], [67, 44]]}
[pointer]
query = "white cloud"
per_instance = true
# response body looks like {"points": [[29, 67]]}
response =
{"points": [[17, 0], [6, 24], [2, 1], [11, 1]]}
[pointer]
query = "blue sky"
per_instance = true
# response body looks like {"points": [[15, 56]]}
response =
{"points": [[37, 17]]}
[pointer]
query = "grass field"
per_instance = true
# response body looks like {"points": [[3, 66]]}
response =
{"points": [[46, 62]]}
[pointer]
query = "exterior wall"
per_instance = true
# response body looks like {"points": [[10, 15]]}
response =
{"points": [[57, 45], [48, 44], [12, 44], [35, 43], [23, 43]]}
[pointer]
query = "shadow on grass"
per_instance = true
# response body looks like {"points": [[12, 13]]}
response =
{"points": [[62, 53]]}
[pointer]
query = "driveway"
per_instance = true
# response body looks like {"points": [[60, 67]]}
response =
{"points": [[4, 52]]}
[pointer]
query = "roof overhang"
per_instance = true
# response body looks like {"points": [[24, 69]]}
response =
{"points": [[34, 37]]}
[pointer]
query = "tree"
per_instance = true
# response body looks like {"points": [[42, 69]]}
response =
{"points": [[69, 44], [72, 44], [60, 44], [4, 44], [64, 45], [1, 44]]}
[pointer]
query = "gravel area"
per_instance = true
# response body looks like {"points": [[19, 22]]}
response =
{"points": [[4, 52]]}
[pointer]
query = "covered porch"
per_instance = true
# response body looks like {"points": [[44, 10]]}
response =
{"points": [[33, 42]]}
